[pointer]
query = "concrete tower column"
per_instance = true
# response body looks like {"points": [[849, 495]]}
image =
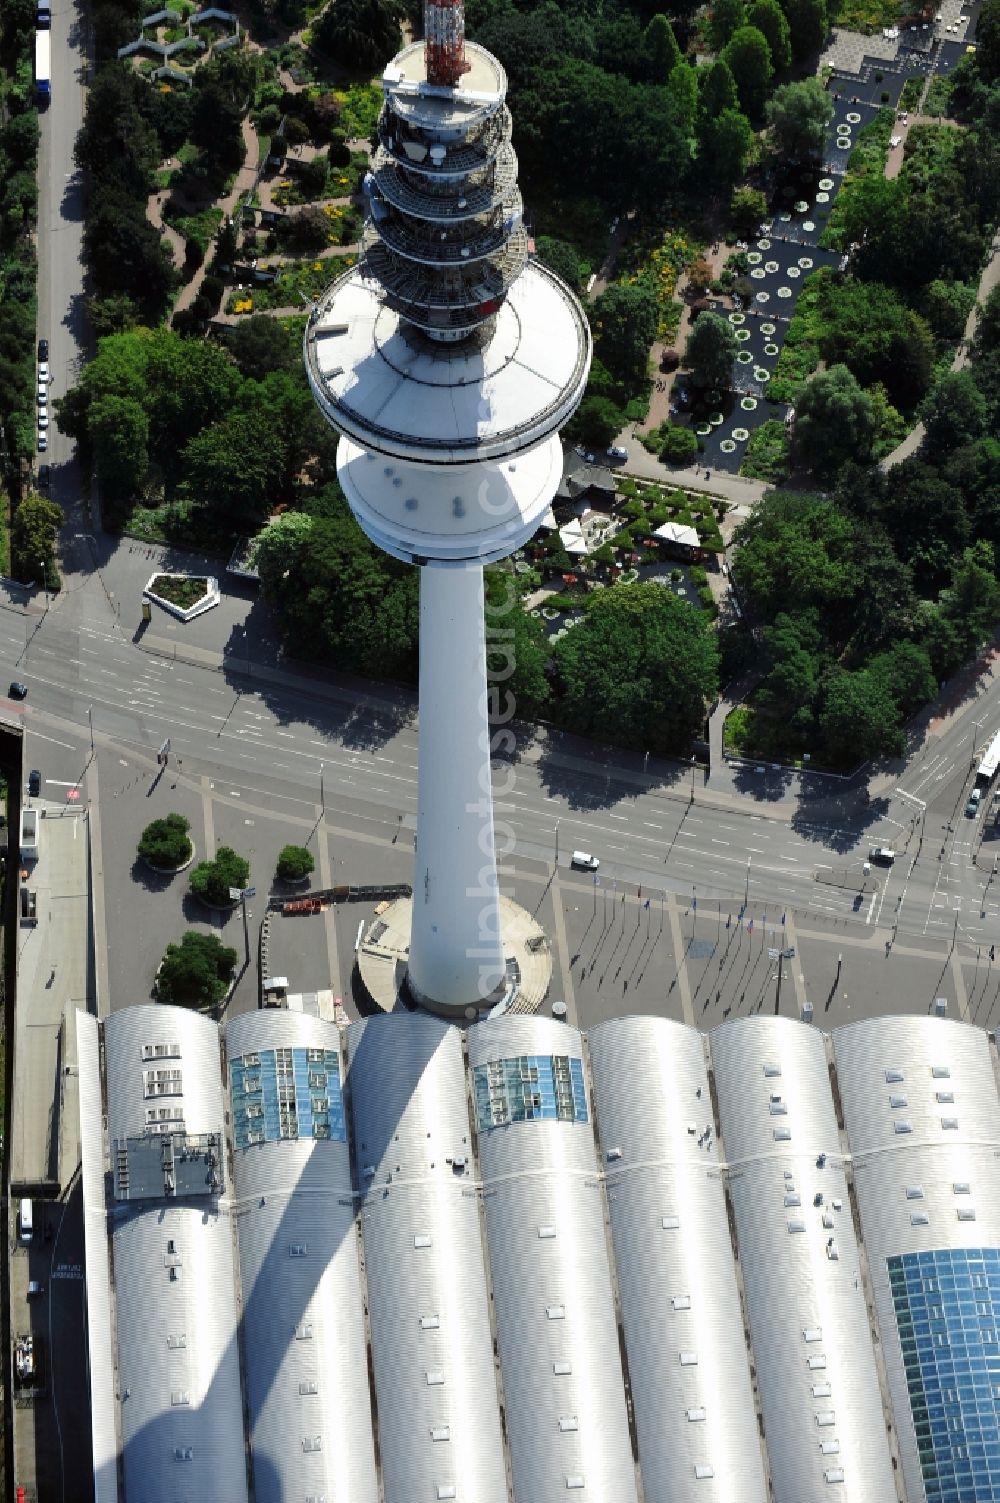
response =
{"points": [[448, 360], [456, 954]]}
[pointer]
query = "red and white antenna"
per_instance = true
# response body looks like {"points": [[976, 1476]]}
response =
{"points": [[444, 42]]}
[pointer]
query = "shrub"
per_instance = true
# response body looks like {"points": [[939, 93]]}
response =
{"points": [[294, 863], [195, 973], [680, 445], [165, 843], [211, 880]]}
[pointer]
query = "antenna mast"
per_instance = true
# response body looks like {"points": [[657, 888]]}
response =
{"points": [[444, 42]]}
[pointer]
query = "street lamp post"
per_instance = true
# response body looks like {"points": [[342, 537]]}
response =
{"points": [[746, 895], [557, 842], [322, 795], [90, 722], [45, 582]]}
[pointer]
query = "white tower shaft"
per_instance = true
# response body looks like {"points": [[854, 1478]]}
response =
{"points": [[456, 952]]}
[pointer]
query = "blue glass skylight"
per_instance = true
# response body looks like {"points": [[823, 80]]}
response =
{"points": [[948, 1316]]}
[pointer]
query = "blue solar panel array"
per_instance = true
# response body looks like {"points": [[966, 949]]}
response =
{"points": [[286, 1093], [948, 1315], [528, 1088]]}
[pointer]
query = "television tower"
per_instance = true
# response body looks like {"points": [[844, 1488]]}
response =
{"points": [[448, 360]]}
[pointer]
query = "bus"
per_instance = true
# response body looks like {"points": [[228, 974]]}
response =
{"points": [[43, 65], [990, 762]]}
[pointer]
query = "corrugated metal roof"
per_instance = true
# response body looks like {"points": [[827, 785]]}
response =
{"points": [[162, 1057], [801, 1268], [303, 1321], [553, 1298], [676, 1281], [934, 1187], [181, 1412], [432, 1344], [100, 1342]]}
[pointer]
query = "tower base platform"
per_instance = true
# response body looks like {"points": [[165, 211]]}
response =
{"points": [[384, 952]]}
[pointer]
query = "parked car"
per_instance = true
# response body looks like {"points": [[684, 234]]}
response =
{"points": [[585, 861], [43, 349], [43, 417], [43, 442], [42, 395], [17, 690], [972, 807], [44, 476], [882, 854], [617, 451], [34, 782]]}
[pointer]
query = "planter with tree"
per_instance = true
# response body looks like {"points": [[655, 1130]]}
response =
{"points": [[165, 844], [211, 880], [197, 972], [295, 863]]}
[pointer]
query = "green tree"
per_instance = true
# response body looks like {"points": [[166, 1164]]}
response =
{"points": [[561, 257], [339, 597], [679, 446], [197, 972], [216, 126], [119, 433], [808, 24], [639, 667], [727, 17], [859, 719], [516, 645], [597, 421], [211, 880], [870, 330], [769, 19], [946, 307], [717, 89], [988, 42], [125, 252], [905, 673], [749, 60], [33, 536], [727, 143], [834, 421], [798, 115], [625, 319], [233, 468], [710, 352], [682, 97], [363, 35], [165, 843], [748, 208], [661, 49], [972, 602], [260, 345], [294, 863], [954, 412]]}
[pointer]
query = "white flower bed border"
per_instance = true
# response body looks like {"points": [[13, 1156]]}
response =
{"points": [[211, 597]]}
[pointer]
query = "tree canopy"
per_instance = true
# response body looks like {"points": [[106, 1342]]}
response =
{"points": [[640, 667], [798, 115], [710, 352], [197, 972], [834, 422], [749, 59]]}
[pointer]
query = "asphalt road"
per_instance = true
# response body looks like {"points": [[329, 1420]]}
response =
{"points": [[782, 842]]}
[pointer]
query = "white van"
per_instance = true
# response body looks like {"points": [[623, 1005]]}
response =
{"points": [[26, 1224], [585, 861], [882, 854]]}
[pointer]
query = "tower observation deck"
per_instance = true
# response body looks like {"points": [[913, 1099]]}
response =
{"points": [[448, 360]]}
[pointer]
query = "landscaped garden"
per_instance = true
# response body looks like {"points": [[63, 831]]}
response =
{"points": [[182, 590]]}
